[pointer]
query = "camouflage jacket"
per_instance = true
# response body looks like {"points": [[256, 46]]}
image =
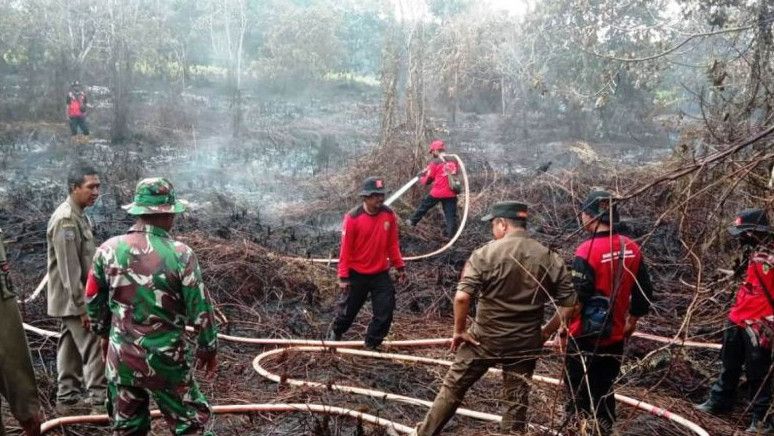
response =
{"points": [[143, 289]]}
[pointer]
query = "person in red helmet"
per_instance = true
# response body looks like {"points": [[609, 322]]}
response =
{"points": [[441, 173]]}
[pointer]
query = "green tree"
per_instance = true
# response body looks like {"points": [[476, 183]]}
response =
{"points": [[300, 45]]}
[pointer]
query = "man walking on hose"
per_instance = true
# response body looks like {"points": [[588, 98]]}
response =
{"points": [[512, 278], [369, 247]]}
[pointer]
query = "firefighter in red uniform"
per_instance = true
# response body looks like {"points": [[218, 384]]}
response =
{"points": [[614, 291], [748, 334], [440, 173], [76, 109], [369, 247]]}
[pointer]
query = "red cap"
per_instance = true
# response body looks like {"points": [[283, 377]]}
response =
{"points": [[436, 145]]}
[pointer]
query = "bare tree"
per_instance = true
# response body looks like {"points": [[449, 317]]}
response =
{"points": [[227, 21], [123, 36], [390, 72]]}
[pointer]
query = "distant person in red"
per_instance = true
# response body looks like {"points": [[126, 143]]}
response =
{"points": [[749, 327], [369, 247], [76, 109], [440, 172]]}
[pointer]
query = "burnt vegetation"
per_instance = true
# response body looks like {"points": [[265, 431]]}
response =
{"points": [[267, 114]]}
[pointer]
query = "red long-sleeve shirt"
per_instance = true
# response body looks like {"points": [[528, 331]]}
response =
{"points": [[369, 243], [751, 303], [437, 173]]}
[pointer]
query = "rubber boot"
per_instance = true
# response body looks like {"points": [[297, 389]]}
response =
{"points": [[712, 407], [758, 426]]}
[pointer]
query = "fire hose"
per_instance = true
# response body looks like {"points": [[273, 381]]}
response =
{"points": [[393, 197], [370, 392], [460, 228], [406, 343], [642, 405], [403, 189], [344, 347], [244, 408]]}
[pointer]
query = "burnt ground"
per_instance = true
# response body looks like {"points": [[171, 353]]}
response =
{"points": [[282, 188]]}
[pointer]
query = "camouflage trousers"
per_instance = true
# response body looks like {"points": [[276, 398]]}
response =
{"points": [[185, 409]]}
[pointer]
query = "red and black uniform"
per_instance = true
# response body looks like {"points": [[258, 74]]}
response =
{"points": [[76, 105], [437, 173], [745, 342], [597, 263], [369, 246]]}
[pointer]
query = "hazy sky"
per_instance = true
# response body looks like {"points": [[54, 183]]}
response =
{"points": [[414, 9], [517, 7], [520, 7]]}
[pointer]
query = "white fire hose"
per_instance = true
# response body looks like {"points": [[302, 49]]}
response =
{"points": [[345, 347]]}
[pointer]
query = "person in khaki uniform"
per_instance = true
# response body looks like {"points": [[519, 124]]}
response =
{"points": [[17, 379], [513, 277], [70, 251]]}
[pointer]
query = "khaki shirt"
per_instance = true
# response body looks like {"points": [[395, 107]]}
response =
{"points": [[513, 278], [70, 251], [17, 378], [6, 288]]}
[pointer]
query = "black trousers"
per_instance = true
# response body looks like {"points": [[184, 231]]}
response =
{"points": [[738, 351], [589, 388], [75, 123], [449, 206], [382, 292]]}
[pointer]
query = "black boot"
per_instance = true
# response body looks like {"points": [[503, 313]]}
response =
{"points": [[712, 407], [373, 347], [759, 426]]}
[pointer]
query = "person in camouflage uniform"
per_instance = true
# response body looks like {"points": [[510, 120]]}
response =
{"points": [[143, 289]]}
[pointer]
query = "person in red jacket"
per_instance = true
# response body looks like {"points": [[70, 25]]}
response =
{"points": [[369, 247], [608, 269], [76, 109], [438, 173], [748, 333]]}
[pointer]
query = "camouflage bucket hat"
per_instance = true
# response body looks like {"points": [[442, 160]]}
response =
{"points": [[154, 195]]}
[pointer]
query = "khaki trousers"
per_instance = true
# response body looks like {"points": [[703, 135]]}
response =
{"points": [[470, 364], [17, 378], [79, 359]]}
